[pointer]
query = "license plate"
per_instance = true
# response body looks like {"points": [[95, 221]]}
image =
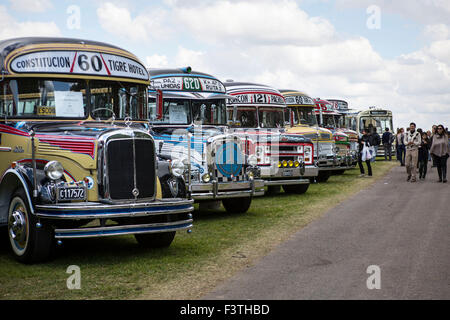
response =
{"points": [[288, 173], [71, 193]]}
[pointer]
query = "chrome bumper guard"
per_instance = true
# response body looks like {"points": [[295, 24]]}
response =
{"points": [[311, 171], [96, 210], [117, 230], [222, 190]]}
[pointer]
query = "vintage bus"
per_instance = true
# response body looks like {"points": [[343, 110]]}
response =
{"points": [[326, 117], [342, 109], [191, 123], [76, 158], [371, 119], [257, 111], [300, 119]]}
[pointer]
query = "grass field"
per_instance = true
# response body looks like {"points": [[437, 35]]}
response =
{"points": [[220, 245]]}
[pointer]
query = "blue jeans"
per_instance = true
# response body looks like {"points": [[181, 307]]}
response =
{"points": [[374, 155], [401, 153]]}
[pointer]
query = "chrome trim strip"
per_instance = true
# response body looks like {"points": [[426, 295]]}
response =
{"points": [[328, 168], [225, 195], [123, 230], [5, 149], [286, 182]]}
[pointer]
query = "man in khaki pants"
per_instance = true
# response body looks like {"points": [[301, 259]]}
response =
{"points": [[412, 142]]}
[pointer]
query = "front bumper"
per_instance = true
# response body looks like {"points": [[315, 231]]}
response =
{"points": [[169, 208], [223, 190], [346, 162]]}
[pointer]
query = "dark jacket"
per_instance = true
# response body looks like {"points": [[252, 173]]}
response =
{"points": [[424, 149], [375, 139], [386, 138], [364, 139]]}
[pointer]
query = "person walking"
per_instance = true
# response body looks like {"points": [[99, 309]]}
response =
{"points": [[433, 132], [423, 156], [376, 141], [364, 142], [387, 139], [430, 142], [401, 148], [412, 142], [440, 151]]}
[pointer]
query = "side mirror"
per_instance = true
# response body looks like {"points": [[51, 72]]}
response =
{"points": [[159, 104]]}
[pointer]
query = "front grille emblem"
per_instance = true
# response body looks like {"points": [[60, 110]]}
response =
{"points": [[135, 192]]}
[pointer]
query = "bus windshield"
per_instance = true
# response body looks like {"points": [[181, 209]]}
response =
{"points": [[304, 116], [208, 112], [186, 111], [380, 123], [42, 98], [328, 121], [246, 117], [119, 100], [339, 119], [271, 117], [175, 111]]}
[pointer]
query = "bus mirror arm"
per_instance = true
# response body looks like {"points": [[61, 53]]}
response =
{"points": [[159, 104]]}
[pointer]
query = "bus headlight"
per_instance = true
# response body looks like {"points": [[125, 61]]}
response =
{"points": [[252, 160], [177, 168], [206, 178], [54, 170]]}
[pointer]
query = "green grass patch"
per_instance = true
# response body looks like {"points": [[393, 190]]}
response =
{"points": [[220, 245]]}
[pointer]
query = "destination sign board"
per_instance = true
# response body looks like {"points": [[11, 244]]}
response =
{"points": [[188, 83], [79, 62], [256, 98]]}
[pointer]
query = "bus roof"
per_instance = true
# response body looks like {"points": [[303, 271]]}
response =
{"points": [[68, 57], [247, 93], [326, 106]]}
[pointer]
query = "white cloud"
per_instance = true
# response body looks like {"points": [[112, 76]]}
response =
{"points": [[144, 27], [31, 5], [437, 31], [422, 11], [156, 61], [249, 22], [195, 59], [10, 28]]}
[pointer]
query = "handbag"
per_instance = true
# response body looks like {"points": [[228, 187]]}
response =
{"points": [[366, 154]]}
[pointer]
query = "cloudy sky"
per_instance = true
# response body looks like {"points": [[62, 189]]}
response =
{"points": [[390, 54]]}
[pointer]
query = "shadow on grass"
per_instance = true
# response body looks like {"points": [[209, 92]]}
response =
{"points": [[101, 251]]}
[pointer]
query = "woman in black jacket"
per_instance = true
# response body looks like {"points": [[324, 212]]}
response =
{"points": [[364, 140], [423, 156]]}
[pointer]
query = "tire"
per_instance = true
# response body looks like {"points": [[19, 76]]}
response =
{"points": [[272, 190], [237, 205], [323, 176], [155, 240], [29, 244], [296, 189]]}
